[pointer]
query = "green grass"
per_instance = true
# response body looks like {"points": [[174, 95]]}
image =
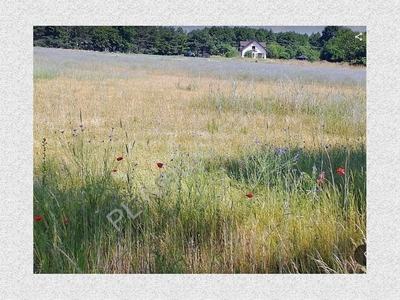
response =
{"points": [[195, 213], [44, 74]]}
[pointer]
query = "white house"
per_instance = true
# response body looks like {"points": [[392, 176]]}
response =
{"points": [[258, 48]]}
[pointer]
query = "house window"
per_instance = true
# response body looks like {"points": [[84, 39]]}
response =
{"points": [[253, 48]]}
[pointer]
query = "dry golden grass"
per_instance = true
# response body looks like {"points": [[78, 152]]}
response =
{"points": [[157, 110]]}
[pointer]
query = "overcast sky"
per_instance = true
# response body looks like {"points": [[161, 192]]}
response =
{"points": [[300, 29]]}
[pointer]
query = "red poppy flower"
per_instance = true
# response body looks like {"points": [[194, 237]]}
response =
{"points": [[249, 195], [37, 218], [120, 158], [341, 171], [160, 165], [115, 170], [65, 220]]}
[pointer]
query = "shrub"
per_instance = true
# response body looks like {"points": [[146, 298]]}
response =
{"points": [[284, 55], [359, 61], [248, 54], [231, 53]]}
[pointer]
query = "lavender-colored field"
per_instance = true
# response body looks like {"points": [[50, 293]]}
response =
{"points": [[60, 62]]}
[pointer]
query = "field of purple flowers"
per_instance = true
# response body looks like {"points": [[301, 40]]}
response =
{"points": [[58, 62]]}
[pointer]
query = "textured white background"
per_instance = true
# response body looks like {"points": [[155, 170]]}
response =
{"points": [[16, 21]]}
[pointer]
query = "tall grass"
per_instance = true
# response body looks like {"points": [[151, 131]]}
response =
{"points": [[237, 191]]}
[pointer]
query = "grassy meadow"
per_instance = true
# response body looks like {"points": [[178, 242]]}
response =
{"points": [[152, 164]]}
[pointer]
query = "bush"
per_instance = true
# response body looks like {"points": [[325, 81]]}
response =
{"points": [[248, 54], [276, 51], [313, 55], [359, 61], [231, 53], [284, 55]]}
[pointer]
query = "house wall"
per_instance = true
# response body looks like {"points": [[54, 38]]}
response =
{"points": [[258, 49]]}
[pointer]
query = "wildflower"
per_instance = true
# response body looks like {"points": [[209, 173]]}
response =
{"points": [[120, 158], [280, 151], [37, 219], [296, 157], [114, 170], [321, 178], [341, 171], [65, 220], [160, 165], [249, 195]]}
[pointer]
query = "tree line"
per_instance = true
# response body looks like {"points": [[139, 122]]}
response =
{"points": [[334, 44]]}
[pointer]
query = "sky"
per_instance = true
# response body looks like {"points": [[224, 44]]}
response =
{"points": [[299, 29]]}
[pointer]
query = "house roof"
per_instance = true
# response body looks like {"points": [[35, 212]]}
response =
{"points": [[244, 44]]}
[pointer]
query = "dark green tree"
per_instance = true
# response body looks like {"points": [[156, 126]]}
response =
{"points": [[145, 39], [328, 33], [200, 41], [81, 37], [170, 41], [261, 35], [294, 43], [51, 36], [315, 41], [244, 34], [346, 46], [270, 37], [180, 39], [107, 38], [164, 41], [127, 34], [223, 35]]}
